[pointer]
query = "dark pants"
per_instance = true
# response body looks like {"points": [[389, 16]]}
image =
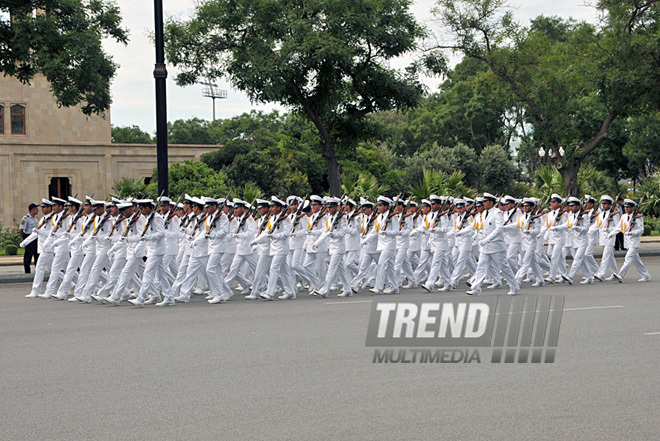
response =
{"points": [[30, 250], [618, 243]]}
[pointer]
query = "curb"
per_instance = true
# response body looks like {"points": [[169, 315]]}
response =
{"points": [[19, 278]]}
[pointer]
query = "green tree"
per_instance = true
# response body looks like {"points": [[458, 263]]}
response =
{"points": [[62, 40], [195, 178], [127, 187], [496, 170], [131, 135], [190, 131], [446, 159], [572, 79], [326, 60]]}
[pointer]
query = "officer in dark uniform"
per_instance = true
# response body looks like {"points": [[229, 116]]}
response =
{"points": [[28, 224]]}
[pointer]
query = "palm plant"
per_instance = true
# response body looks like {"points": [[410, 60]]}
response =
{"points": [[129, 187], [363, 185]]}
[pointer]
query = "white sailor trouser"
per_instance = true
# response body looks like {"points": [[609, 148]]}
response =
{"points": [[485, 262], [512, 253], [352, 261], [632, 256], [261, 274], [385, 271], [57, 269], [424, 263], [45, 262], [196, 267], [180, 274], [279, 272], [365, 264], [155, 269], [589, 256], [215, 272], [313, 269], [130, 268], [579, 262], [336, 268], [113, 276], [557, 260], [608, 261], [529, 262], [402, 267], [85, 271], [235, 269], [438, 270], [102, 261], [464, 254], [69, 274]]}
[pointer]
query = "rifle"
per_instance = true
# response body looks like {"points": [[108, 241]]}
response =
{"points": [[104, 218], [515, 210], [319, 216], [296, 218], [119, 220], [338, 218], [390, 215], [59, 223], [215, 217], [75, 219], [44, 219], [372, 219], [198, 225], [173, 213], [241, 224], [131, 221], [88, 225], [404, 215], [635, 216], [151, 217]]}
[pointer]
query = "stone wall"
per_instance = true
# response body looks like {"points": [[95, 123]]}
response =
{"points": [[26, 169]]}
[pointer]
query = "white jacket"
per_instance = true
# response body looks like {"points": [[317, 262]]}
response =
{"points": [[493, 235], [632, 230]]}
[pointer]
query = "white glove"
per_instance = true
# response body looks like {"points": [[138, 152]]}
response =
{"points": [[22, 244]]}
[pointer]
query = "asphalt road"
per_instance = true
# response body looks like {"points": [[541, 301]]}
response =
{"points": [[300, 370]]}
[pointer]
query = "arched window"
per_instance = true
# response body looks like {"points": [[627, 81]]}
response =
{"points": [[2, 120], [17, 119]]}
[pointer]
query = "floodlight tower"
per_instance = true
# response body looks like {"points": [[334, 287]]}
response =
{"points": [[211, 91]]}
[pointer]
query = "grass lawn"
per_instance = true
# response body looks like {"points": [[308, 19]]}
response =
{"points": [[655, 233]]}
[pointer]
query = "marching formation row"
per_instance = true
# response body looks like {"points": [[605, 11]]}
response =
{"points": [[161, 252]]}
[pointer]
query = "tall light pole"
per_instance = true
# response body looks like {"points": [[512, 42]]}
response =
{"points": [[211, 91], [160, 74]]}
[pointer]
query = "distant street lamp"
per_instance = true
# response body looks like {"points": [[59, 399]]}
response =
{"points": [[211, 91], [541, 152], [561, 151]]}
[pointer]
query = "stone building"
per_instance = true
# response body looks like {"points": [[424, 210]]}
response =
{"points": [[47, 150]]}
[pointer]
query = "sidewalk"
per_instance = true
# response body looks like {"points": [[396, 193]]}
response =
{"points": [[11, 267]]}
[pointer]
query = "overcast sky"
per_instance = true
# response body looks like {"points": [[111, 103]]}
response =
{"points": [[133, 88]]}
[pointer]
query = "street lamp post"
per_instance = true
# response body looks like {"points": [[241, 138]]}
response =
{"points": [[160, 75]]}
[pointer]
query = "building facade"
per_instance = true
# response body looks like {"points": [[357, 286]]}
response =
{"points": [[47, 150]]}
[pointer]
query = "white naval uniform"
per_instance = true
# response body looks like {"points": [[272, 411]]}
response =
{"points": [[512, 238], [439, 248], [352, 239], [60, 244], [216, 248], [186, 227], [578, 227], [89, 253], [199, 257], [387, 234], [244, 253], [402, 265], [369, 254], [608, 227], [102, 260], [415, 244], [336, 239], [425, 250], [493, 249], [155, 239], [464, 233], [313, 267], [555, 232], [118, 255], [632, 230], [530, 230], [297, 245], [279, 272], [46, 253], [135, 252], [263, 251], [72, 235]]}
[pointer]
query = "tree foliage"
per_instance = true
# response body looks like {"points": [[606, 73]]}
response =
{"points": [[571, 79], [62, 40], [131, 135], [325, 60]]}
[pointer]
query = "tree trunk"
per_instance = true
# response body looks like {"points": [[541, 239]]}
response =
{"points": [[569, 171], [334, 175]]}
